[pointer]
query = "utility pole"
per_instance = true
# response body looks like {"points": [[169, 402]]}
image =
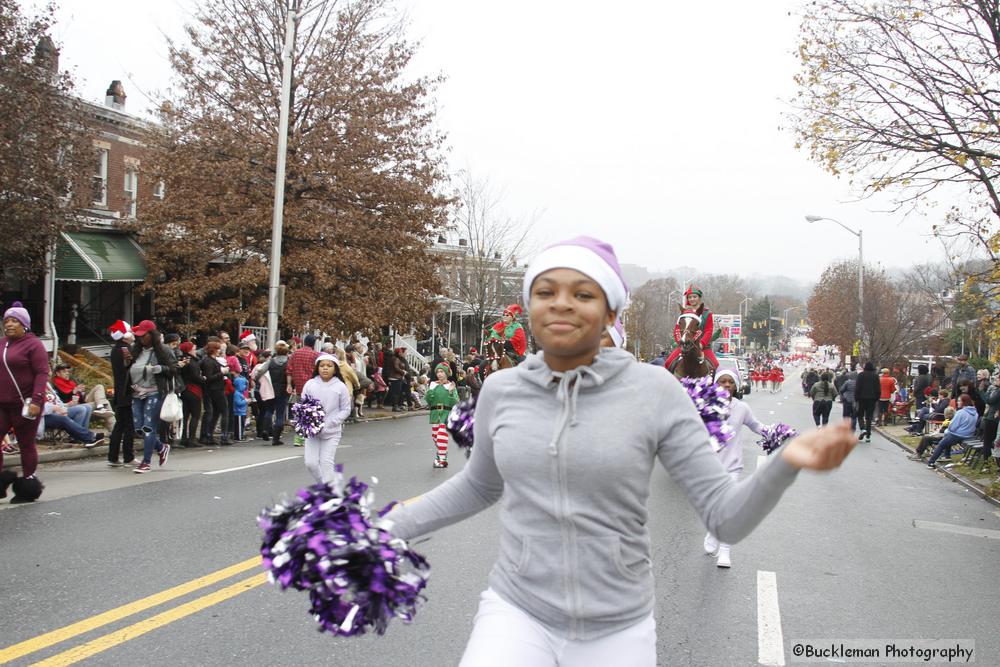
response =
{"points": [[277, 221]]}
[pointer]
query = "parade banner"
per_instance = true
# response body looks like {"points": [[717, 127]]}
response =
{"points": [[728, 329]]}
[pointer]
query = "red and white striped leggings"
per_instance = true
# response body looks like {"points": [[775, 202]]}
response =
{"points": [[439, 434]]}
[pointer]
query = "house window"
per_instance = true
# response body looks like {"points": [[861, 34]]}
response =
{"points": [[100, 178], [131, 190], [159, 190]]}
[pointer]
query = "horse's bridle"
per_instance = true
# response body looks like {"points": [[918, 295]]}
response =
{"points": [[494, 358], [686, 343]]}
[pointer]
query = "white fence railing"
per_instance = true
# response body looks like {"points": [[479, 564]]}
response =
{"points": [[261, 334], [416, 360]]}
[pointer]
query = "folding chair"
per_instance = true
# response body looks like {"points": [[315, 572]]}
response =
{"points": [[901, 409], [932, 425]]}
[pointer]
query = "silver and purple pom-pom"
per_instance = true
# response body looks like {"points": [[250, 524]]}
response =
{"points": [[712, 402], [774, 436], [461, 421], [308, 417], [328, 540]]}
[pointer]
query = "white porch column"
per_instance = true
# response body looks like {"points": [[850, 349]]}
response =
{"points": [[48, 302]]}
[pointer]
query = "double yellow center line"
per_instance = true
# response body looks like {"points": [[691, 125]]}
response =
{"points": [[116, 637], [112, 639]]}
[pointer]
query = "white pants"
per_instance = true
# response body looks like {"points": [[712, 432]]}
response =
{"points": [[319, 457], [504, 635]]}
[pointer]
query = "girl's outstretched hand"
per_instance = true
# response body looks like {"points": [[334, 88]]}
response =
{"points": [[822, 449]]}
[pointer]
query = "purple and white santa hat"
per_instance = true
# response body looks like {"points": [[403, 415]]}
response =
{"points": [[591, 257]]}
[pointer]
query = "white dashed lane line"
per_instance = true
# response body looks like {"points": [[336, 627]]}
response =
{"points": [[252, 465], [958, 530], [770, 641]]}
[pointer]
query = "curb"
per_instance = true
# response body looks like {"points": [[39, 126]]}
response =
{"points": [[57, 455], [76, 454], [975, 488]]}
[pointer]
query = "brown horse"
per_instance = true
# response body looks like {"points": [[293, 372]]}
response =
{"points": [[496, 358], [692, 362]]}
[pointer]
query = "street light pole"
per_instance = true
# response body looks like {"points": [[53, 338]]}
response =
{"points": [[274, 280], [743, 318], [859, 331]]}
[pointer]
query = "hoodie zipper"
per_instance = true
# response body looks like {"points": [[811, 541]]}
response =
{"points": [[567, 528], [567, 531]]}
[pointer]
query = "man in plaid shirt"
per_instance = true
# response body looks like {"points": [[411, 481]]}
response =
{"points": [[302, 364]]}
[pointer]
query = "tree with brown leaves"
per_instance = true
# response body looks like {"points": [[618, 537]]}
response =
{"points": [[485, 277], [649, 321], [364, 176], [902, 97], [45, 157], [898, 317]]}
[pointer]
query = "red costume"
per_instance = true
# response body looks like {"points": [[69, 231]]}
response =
{"points": [[513, 332], [250, 340], [707, 331]]}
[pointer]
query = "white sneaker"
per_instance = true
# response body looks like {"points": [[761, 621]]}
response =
{"points": [[723, 559], [711, 544]]}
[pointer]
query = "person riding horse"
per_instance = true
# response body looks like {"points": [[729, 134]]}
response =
{"points": [[510, 332], [693, 299], [692, 362]]}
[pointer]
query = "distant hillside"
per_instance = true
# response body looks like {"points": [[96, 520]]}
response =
{"points": [[636, 276]]}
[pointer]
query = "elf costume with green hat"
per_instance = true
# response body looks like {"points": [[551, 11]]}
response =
{"points": [[441, 397], [509, 329]]}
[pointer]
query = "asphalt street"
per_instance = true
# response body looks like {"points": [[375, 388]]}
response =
{"points": [[109, 567]]}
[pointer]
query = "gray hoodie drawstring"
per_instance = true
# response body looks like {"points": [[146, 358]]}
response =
{"points": [[568, 397]]}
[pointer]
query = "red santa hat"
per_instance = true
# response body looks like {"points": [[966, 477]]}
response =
{"points": [[513, 309], [119, 330], [247, 336]]}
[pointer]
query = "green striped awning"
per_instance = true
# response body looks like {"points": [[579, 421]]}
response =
{"points": [[99, 257]]}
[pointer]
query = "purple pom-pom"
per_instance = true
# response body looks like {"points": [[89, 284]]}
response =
{"points": [[712, 402], [773, 436], [328, 541], [461, 421], [308, 417]]}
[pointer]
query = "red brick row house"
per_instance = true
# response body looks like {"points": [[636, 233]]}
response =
{"points": [[95, 268]]}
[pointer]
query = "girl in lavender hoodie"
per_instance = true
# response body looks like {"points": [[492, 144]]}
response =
{"points": [[731, 454], [563, 444], [327, 386]]}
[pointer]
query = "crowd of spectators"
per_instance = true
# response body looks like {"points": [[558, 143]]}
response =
{"points": [[948, 410], [228, 391]]}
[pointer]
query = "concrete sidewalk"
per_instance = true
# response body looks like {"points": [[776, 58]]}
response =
{"points": [[54, 453], [986, 487]]}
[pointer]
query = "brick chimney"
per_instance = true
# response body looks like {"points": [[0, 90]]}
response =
{"points": [[115, 95], [47, 56]]}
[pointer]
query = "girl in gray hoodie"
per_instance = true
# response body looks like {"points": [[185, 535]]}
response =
{"points": [[562, 443]]}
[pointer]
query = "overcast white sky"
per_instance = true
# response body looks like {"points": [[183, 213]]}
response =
{"points": [[653, 125]]}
